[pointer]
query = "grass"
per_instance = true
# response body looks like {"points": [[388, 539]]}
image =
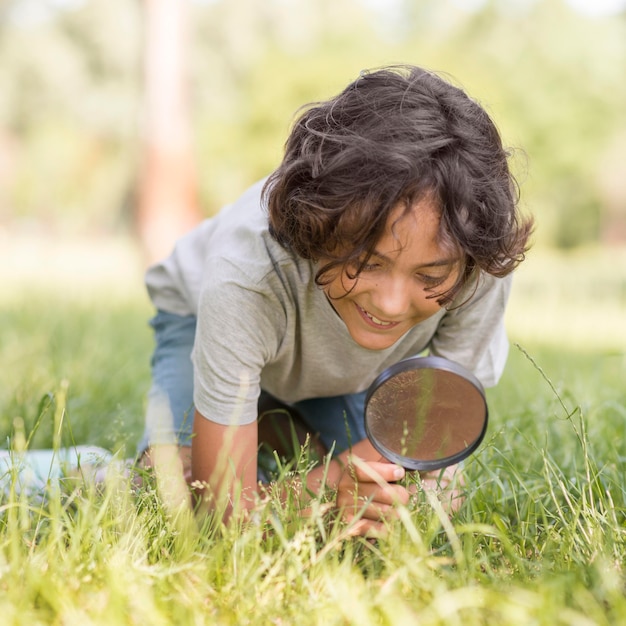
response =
{"points": [[540, 539]]}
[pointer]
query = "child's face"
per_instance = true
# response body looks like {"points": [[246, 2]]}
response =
{"points": [[390, 295]]}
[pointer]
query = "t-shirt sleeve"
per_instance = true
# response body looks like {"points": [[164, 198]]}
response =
{"points": [[173, 284], [240, 327], [473, 334]]}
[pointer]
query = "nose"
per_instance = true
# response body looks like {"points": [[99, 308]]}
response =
{"points": [[392, 298]]}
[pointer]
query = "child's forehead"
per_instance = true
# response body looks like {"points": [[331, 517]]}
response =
{"points": [[363, 228], [405, 218], [422, 221]]}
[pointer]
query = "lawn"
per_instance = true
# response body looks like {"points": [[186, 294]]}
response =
{"points": [[540, 538]]}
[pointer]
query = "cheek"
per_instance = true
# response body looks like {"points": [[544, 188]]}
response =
{"points": [[424, 304], [432, 306]]}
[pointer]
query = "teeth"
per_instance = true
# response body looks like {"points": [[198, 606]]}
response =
{"points": [[376, 320]]}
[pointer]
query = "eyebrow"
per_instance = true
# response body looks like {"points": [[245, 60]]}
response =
{"points": [[435, 263]]}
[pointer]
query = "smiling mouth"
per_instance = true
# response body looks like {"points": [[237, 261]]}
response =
{"points": [[377, 322]]}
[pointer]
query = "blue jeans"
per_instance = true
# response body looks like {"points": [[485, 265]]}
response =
{"points": [[338, 420]]}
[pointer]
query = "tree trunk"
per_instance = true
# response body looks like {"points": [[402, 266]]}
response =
{"points": [[168, 204]]}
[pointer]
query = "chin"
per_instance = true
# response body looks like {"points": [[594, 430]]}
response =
{"points": [[375, 343]]}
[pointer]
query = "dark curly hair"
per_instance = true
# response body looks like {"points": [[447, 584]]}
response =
{"points": [[394, 137]]}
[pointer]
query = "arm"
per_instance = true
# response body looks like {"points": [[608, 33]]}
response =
{"points": [[224, 462]]}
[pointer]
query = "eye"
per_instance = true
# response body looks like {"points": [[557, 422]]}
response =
{"points": [[370, 267], [366, 265], [431, 281]]}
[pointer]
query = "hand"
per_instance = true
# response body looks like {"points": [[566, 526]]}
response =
{"points": [[149, 459], [367, 497], [448, 485], [172, 467]]}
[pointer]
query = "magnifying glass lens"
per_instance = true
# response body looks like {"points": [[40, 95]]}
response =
{"points": [[426, 413]]}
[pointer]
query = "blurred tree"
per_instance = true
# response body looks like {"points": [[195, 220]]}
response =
{"points": [[611, 169], [167, 182]]}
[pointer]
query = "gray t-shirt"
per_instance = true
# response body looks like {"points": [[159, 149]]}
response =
{"points": [[263, 323]]}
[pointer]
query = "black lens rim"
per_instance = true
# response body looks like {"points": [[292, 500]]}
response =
{"points": [[416, 363]]}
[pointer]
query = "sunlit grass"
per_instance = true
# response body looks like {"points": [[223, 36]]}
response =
{"points": [[540, 539]]}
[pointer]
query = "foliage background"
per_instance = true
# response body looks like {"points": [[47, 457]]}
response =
{"points": [[71, 103]]}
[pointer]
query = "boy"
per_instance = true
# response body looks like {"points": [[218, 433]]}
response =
{"points": [[391, 227]]}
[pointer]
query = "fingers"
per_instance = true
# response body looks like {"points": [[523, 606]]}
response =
{"points": [[359, 527], [442, 478], [369, 499], [448, 484], [367, 496], [370, 494], [375, 471], [367, 508], [372, 481]]}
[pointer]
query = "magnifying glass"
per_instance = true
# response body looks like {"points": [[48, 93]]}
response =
{"points": [[425, 413]]}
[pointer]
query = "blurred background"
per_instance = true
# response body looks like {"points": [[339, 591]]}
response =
{"points": [[122, 122]]}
